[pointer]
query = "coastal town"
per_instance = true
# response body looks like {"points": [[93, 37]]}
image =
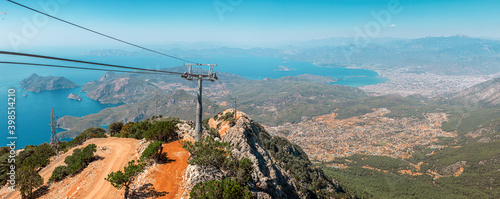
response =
{"points": [[407, 81], [325, 138]]}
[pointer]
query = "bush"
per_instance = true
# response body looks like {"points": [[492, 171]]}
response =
{"points": [[115, 128], [162, 131], [75, 162], [208, 152], [139, 129], [92, 132], [58, 174], [229, 116], [40, 156], [80, 158], [121, 179], [125, 129], [220, 189], [153, 152]]}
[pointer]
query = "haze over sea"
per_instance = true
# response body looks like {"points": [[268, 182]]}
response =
{"points": [[33, 111]]}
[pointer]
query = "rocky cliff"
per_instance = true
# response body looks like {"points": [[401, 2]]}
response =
{"points": [[281, 169], [36, 83]]}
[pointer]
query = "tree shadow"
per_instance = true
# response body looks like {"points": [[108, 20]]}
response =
{"points": [[163, 159], [146, 191], [41, 191]]}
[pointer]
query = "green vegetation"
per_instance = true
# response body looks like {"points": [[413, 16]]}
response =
{"points": [[480, 177], [366, 183], [34, 157], [226, 188], [124, 132], [28, 179], [121, 179], [210, 153], [469, 120], [75, 163], [154, 151], [92, 132], [229, 116], [162, 131], [40, 157], [291, 157], [115, 128], [138, 130]]}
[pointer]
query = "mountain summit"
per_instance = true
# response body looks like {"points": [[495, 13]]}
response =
{"points": [[281, 169]]}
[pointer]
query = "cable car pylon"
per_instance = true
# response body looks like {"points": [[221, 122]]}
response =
{"points": [[210, 76]]}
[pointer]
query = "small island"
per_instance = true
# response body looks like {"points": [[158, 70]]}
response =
{"points": [[75, 97], [36, 83], [283, 68]]}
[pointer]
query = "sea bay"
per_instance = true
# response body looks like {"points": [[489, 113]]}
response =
{"points": [[33, 111]]}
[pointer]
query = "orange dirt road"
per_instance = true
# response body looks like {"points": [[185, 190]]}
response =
{"points": [[168, 176]]}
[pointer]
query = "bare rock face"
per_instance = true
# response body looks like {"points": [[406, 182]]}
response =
{"points": [[36, 83], [268, 179]]}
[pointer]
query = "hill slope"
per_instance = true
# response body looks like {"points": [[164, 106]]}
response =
{"points": [[36, 83], [486, 93]]}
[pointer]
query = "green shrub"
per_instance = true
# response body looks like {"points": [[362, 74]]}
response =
{"points": [[40, 157], [220, 189], [229, 116], [58, 174], [75, 162], [125, 129], [208, 152], [139, 129], [121, 179], [115, 128], [153, 152], [162, 131]]}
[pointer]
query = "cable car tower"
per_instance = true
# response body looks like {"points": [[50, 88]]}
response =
{"points": [[53, 135], [189, 75]]}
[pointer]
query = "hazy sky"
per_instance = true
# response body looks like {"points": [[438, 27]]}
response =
{"points": [[241, 21]]}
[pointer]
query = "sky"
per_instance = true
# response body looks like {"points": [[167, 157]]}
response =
{"points": [[246, 22]]}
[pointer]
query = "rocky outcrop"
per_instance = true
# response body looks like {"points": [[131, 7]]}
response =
{"points": [[36, 83], [75, 97], [269, 178]]}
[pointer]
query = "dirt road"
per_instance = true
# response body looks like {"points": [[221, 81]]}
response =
{"points": [[113, 153], [168, 176]]}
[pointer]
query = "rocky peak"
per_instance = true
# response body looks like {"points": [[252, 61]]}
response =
{"points": [[269, 178], [106, 76]]}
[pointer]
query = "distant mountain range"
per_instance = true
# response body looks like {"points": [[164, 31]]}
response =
{"points": [[455, 55]]}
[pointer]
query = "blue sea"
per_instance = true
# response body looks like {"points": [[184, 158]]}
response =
{"points": [[33, 111]]}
